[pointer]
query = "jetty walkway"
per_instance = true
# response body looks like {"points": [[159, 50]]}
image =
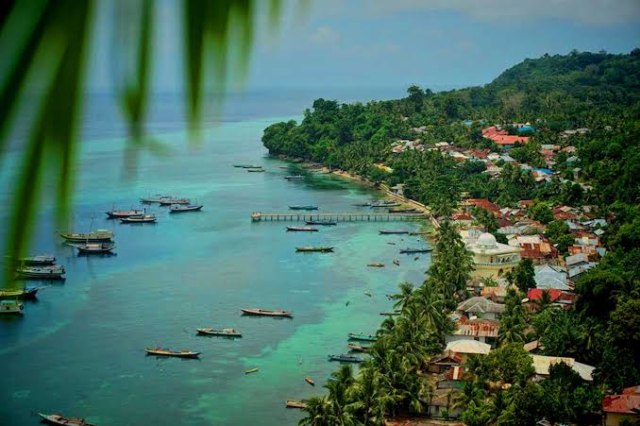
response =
{"points": [[337, 217]]}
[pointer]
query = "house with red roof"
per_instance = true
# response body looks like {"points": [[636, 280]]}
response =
{"points": [[483, 203], [557, 297], [615, 408], [502, 138]]}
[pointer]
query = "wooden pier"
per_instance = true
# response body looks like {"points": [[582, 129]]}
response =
{"points": [[337, 217]]}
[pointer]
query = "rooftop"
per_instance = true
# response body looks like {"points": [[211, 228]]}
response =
{"points": [[468, 347]]}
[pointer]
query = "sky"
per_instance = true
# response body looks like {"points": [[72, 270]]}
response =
{"points": [[437, 44]]}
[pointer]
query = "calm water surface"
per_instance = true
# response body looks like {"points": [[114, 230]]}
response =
{"points": [[79, 349]]}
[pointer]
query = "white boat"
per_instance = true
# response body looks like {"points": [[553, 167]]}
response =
{"points": [[11, 307]]}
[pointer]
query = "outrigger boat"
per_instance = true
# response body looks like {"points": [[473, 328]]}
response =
{"points": [[355, 347], [119, 214], [226, 332], [167, 352], [297, 207], [140, 218], [301, 229], [39, 260], [320, 222], [52, 272], [392, 232], [95, 248], [295, 404], [345, 358], [184, 209], [19, 293], [90, 237], [11, 307], [59, 419], [362, 337], [313, 249], [172, 201], [266, 312], [415, 250]]}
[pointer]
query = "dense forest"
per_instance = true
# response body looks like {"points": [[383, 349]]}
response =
{"points": [[596, 91]]}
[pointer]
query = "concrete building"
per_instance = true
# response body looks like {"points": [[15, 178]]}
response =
{"points": [[492, 259]]}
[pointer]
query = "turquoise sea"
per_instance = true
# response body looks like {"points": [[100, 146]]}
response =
{"points": [[79, 349]]}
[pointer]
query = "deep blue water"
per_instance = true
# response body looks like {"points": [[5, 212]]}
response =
{"points": [[79, 349]]}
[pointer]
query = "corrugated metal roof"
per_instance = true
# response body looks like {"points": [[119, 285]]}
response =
{"points": [[469, 347]]}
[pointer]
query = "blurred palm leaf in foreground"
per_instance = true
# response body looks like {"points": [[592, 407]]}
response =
{"points": [[44, 45]]}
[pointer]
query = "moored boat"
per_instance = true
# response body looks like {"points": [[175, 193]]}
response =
{"points": [[170, 353], [246, 166], [301, 229], [39, 260], [19, 293], [11, 307], [393, 232], [155, 199], [310, 381], [226, 332], [171, 201], [402, 210], [396, 262], [384, 204], [256, 170], [52, 272], [362, 337], [299, 207], [415, 250], [363, 205], [345, 358], [119, 214], [314, 249], [295, 404], [251, 370], [294, 177], [320, 222], [90, 237], [95, 248], [266, 312], [140, 218], [59, 419], [356, 347], [375, 265], [185, 208]]}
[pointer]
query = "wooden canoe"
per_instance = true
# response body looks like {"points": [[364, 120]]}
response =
{"points": [[58, 419], [170, 353]]}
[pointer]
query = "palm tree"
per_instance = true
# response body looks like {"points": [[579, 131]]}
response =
{"points": [[402, 298], [338, 385], [318, 411], [370, 396]]}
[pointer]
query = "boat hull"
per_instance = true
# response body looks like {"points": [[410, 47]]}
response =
{"points": [[314, 249], [345, 358], [185, 209], [173, 354], [301, 229], [220, 333], [266, 313], [362, 337], [57, 419], [320, 223], [26, 293]]}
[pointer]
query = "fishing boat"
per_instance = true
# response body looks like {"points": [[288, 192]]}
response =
{"points": [[251, 370], [314, 249], [246, 166], [392, 232], [419, 233], [310, 381], [167, 352], [415, 250], [301, 229], [140, 218], [260, 170], [384, 204], [266, 312], [99, 235], [171, 201], [52, 272], [155, 199], [320, 222], [363, 205], [356, 347], [39, 260], [362, 337], [185, 208], [396, 262], [95, 248], [226, 332], [19, 293], [345, 358], [368, 294], [294, 177], [375, 265], [402, 210], [59, 419], [119, 214], [11, 307], [295, 404], [298, 207]]}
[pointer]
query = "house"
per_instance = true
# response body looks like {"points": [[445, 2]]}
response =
{"points": [[482, 203], [615, 408], [502, 138], [496, 294], [577, 264], [398, 189], [548, 277], [480, 307], [444, 362], [467, 347], [482, 330], [535, 247], [492, 259], [454, 378], [557, 297], [541, 365], [462, 219], [441, 404]]}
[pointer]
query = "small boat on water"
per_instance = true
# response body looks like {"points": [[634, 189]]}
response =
{"points": [[39, 260], [362, 337], [419, 233], [171, 201], [295, 404], [90, 237], [266, 312], [251, 370], [384, 204], [226, 332], [375, 265], [140, 218], [299, 207], [402, 210], [246, 166], [310, 381], [396, 262], [356, 347], [51, 272], [119, 214], [256, 170], [59, 419], [363, 205], [11, 307], [301, 229], [345, 358], [19, 293], [294, 177], [185, 208], [314, 249], [176, 354], [95, 248], [155, 199], [415, 250], [392, 232], [320, 222]]}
